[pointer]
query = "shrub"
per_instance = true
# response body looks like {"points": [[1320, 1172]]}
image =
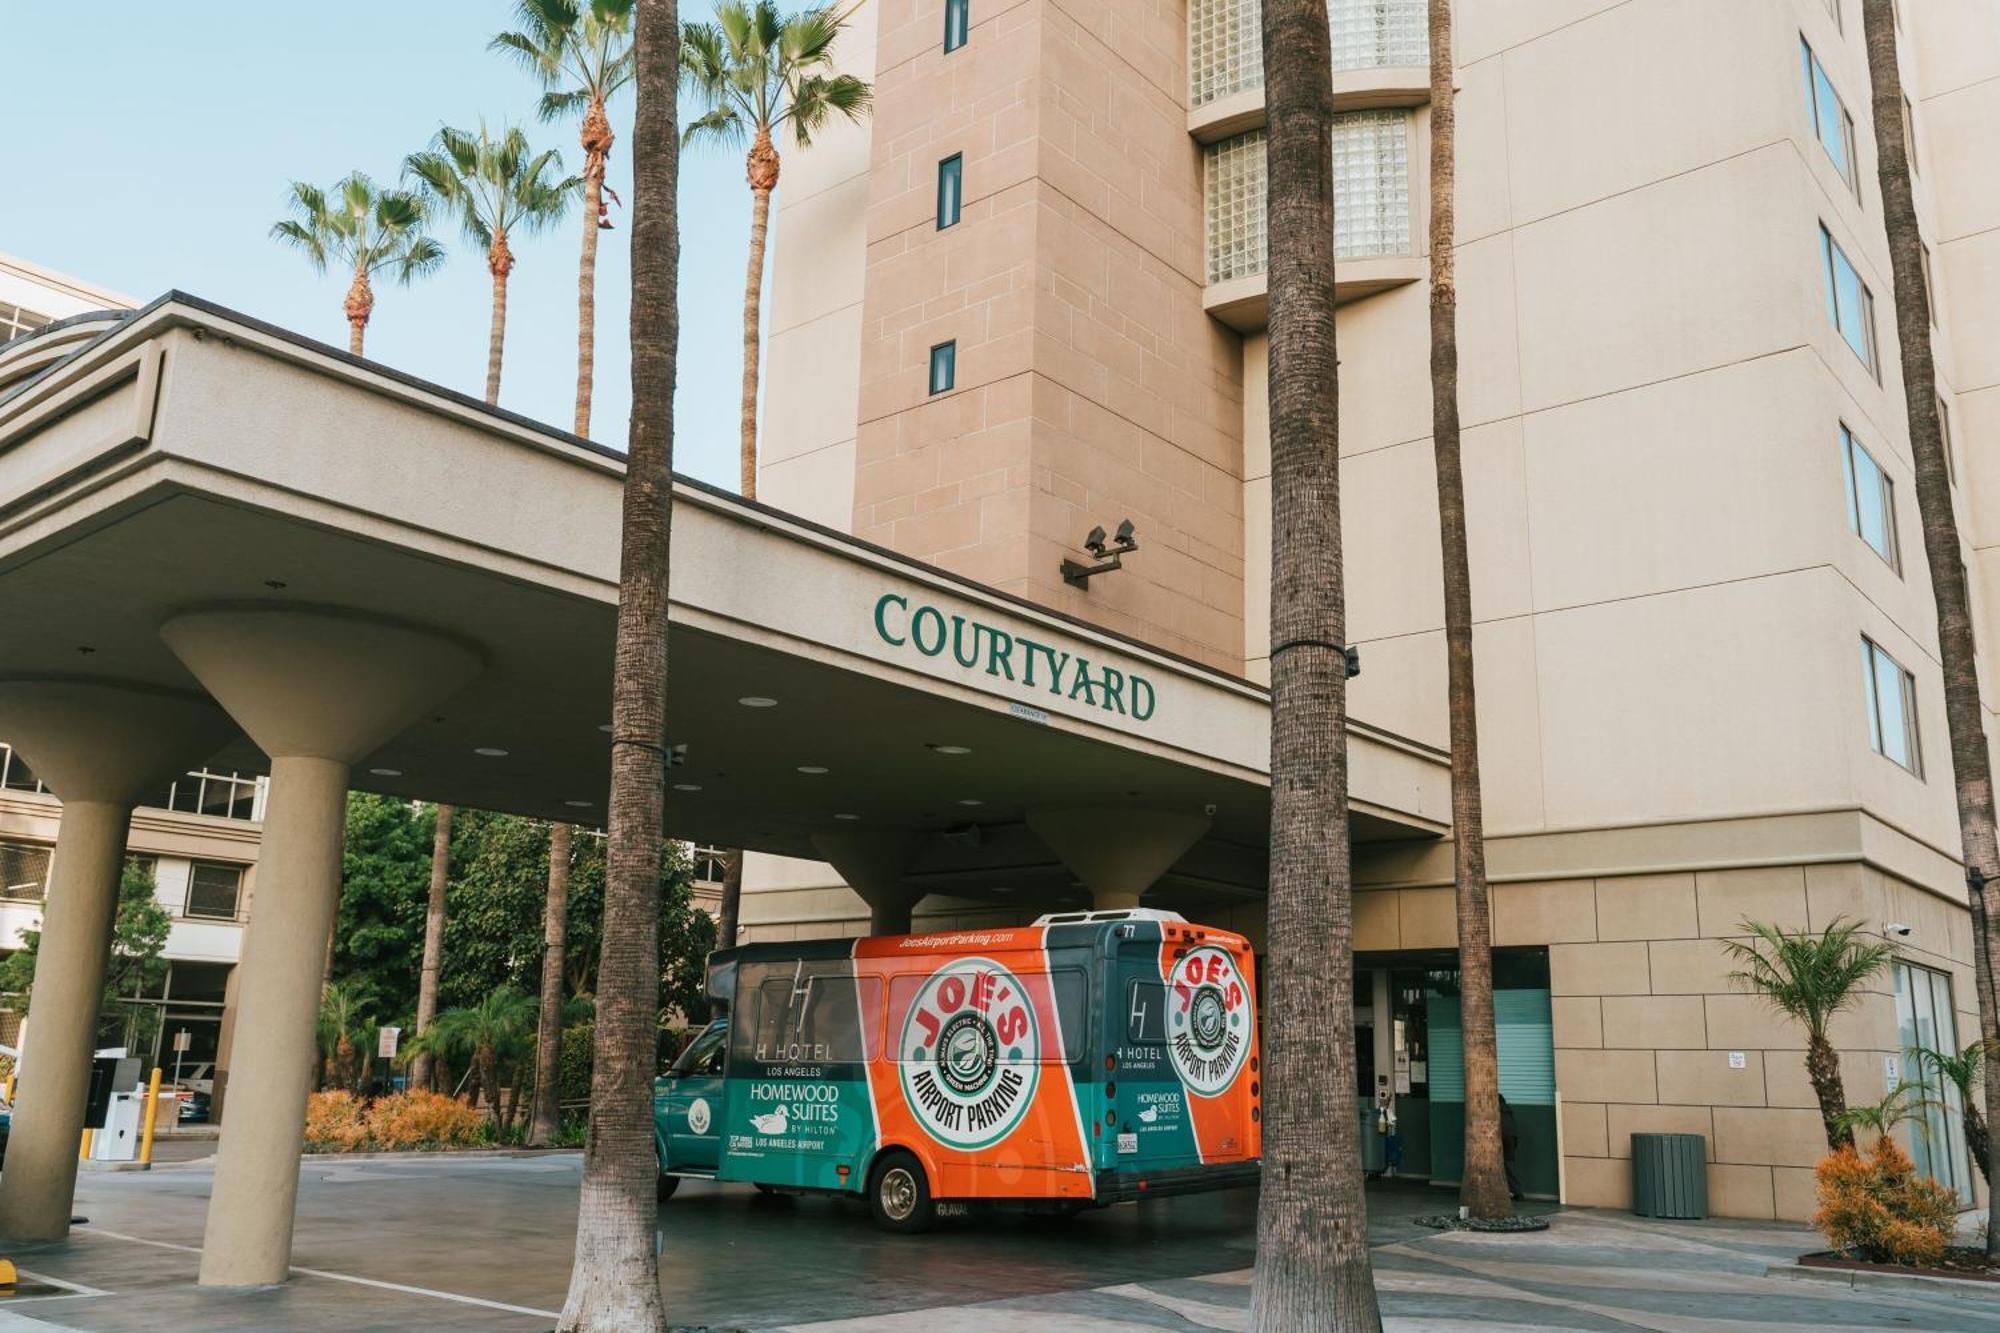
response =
{"points": [[419, 1119], [573, 1083], [1879, 1208], [334, 1123]]}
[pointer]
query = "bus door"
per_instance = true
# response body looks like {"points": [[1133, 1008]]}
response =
{"points": [[693, 1102]]}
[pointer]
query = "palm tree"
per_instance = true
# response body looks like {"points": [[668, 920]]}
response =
{"points": [[500, 188], [546, 1122], [1811, 978], [615, 1281], [427, 977], [486, 1035], [365, 231], [1483, 1188], [1905, 1103], [1313, 1271], [1962, 1070], [582, 53], [342, 1033], [753, 71], [1972, 772]]}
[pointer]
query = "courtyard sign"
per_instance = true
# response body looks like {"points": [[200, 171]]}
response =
{"points": [[1019, 660]]}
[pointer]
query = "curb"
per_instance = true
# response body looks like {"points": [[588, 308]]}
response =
{"points": [[1857, 1279], [457, 1155]]}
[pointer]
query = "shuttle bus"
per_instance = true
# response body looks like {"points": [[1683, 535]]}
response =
{"points": [[1088, 1059]]}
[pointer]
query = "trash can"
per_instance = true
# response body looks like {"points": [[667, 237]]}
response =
{"points": [[1670, 1175]]}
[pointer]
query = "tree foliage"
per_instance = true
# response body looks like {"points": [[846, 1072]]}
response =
{"points": [[138, 935]]}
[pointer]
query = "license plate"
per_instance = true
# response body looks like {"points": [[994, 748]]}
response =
{"points": [[1128, 1143]]}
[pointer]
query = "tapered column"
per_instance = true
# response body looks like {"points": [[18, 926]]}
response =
{"points": [[1118, 854], [872, 864], [317, 689], [249, 1239], [98, 745]]}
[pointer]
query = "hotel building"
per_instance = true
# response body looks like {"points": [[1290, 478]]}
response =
{"points": [[1028, 299]]}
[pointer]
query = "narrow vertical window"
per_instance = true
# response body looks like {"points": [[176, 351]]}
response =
{"points": [[1832, 126], [1849, 303], [1871, 498], [1930, 289], [951, 188], [1944, 438], [957, 22], [1910, 136], [944, 367], [1833, 10], [1891, 694]]}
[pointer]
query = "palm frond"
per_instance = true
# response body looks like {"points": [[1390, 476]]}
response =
{"points": [[1810, 977], [817, 99], [303, 239]]}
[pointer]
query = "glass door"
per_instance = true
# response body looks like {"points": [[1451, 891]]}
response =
{"points": [[1924, 1021]]}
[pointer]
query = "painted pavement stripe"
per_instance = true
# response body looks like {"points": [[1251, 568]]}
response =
{"points": [[1195, 1312], [377, 1283]]}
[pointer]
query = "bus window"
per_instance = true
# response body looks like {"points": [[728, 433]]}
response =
{"points": [[1070, 986], [1146, 1014], [796, 1016], [703, 1055]]}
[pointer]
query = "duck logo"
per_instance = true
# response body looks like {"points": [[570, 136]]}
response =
{"points": [[771, 1122], [1208, 1020], [970, 1053]]}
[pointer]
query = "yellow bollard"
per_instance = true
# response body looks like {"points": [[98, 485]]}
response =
{"points": [[83, 1153], [152, 1116], [9, 1098]]}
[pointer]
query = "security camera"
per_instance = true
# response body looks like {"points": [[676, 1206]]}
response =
{"points": [[1897, 928]]}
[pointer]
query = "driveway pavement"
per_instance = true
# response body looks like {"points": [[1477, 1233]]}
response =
{"points": [[484, 1243]]}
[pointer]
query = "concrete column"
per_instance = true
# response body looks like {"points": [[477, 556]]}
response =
{"points": [[1117, 853], [98, 745], [873, 865], [316, 689]]}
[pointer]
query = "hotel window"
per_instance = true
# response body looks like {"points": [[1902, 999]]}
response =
{"points": [[213, 891], [1371, 184], [24, 872], [1831, 123], [1849, 303], [1944, 438], [1910, 135], [1892, 708], [1225, 48], [1930, 291], [1373, 34], [1234, 187], [957, 22], [229, 795], [951, 189], [15, 321], [944, 367], [15, 775], [1925, 1022], [1871, 499]]}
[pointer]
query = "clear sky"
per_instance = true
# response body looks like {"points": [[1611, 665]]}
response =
{"points": [[141, 150]]}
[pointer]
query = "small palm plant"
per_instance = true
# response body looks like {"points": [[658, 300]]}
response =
{"points": [[1812, 977], [752, 72], [365, 231], [343, 1025], [499, 188], [1962, 1071], [495, 1032], [1905, 1103], [581, 51]]}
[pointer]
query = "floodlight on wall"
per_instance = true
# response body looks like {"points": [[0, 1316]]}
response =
{"points": [[1110, 555]]}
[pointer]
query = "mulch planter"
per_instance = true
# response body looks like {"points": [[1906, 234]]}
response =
{"points": [[1966, 1262], [1453, 1222]]}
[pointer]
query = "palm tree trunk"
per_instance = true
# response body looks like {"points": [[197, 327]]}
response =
{"points": [[499, 262], [359, 305], [762, 170], [732, 899], [1977, 1141], [1483, 1188], [1971, 767], [427, 978], [596, 137], [1313, 1270], [547, 1118], [1823, 1070], [615, 1282]]}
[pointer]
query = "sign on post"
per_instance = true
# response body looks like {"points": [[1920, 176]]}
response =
{"points": [[182, 1040], [385, 1042]]}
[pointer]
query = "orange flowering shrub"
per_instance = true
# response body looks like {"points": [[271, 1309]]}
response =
{"points": [[419, 1118], [334, 1123], [1878, 1207]]}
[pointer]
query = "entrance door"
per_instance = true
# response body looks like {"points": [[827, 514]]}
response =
{"points": [[693, 1103]]}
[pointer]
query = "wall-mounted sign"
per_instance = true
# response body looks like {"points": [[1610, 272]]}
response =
{"points": [[1024, 663]]}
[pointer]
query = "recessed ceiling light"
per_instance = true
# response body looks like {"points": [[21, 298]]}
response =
{"points": [[578, 805], [814, 769], [948, 749], [387, 772], [971, 800], [490, 752], [757, 701], [847, 816], [687, 786]]}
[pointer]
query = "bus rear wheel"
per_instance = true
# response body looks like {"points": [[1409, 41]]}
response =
{"points": [[899, 1197]]}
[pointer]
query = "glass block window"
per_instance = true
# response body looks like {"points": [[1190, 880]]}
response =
{"points": [[1371, 184], [1370, 34], [1225, 48], [1235, 207], [15, 321]]}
